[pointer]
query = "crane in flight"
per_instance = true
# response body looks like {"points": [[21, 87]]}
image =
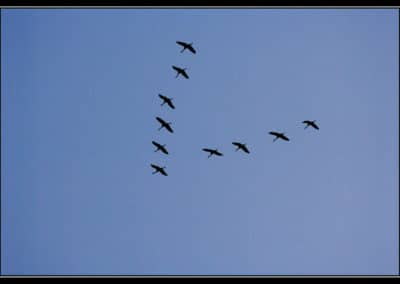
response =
{"points": [[311, 123], [180, 71], [160, 147], [212, 152], [241, 146], [164, 124], [167, 101], [279, 135], [159, 169], [186, 46]]}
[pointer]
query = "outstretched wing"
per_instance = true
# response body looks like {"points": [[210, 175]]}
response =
{"points": [[284, 137], [163, 172], [184, 44], [218, 153], [207, 150], [156, 144], [162, 97], [168, 127], [191, 49], [170, 104], [183, 72], [274, 133], [245, 149], [162, 148], [155, 167], [177, 69], [314, 125], [160, 120], [236, 144]]}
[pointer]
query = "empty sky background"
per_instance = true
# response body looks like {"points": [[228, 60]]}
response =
{"points": [[79, 101]]}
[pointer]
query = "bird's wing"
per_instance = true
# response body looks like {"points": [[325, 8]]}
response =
{"points": [[191, 49], [163, 172], [246, 150], [169, 128], [285, 138], [306, 121], [175, 68], [181, 43], [155, 143], [207, 150], [218, 153], [164, 150], [273, 133], [236, 144], [160, 120], [170, 104], [315, 126], [184, 74], [161, 96], [154, 166]]}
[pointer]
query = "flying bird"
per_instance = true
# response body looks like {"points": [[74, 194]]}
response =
{"points": [[164, 124], [279, 135], [241, 146], [180, 71], [311, 123], [212, 152], [186, 45], [159, 169], [167, 100], [160, 147]]}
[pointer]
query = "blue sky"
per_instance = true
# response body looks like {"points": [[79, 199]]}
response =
{"points": [[79, 101]]}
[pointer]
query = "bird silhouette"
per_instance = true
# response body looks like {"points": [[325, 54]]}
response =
{"points": [[160, 147], [180, 71], [164, 124], [310, 123], [159, 169], [186, 46], [241, 146], [279, 135], [167, 100], [212, 152]]}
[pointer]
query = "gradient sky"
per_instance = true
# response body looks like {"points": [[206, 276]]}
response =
{"points": [[79, 101]]}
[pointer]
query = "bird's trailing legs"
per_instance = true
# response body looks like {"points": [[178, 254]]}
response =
{"points": [[306, 126], [275, 139]]}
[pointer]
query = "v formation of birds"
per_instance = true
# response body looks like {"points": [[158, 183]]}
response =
{"points": [[167, 125]]}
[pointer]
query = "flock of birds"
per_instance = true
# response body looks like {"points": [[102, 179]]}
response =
{"points": [[167, 125]]}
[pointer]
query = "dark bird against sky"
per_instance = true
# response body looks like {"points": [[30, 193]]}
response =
{"points": [[164, 124], [212, 152], [186, 46], [180, 71], [311, 123], [279, 135], [160, 147], [167, 100], [159, 169], [241, 146]]}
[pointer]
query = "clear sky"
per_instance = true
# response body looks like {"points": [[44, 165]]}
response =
{"points": [[79, 97]]}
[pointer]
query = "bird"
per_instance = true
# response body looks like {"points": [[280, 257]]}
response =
{"points": [[311, 123], [180, 71], [241, 146], [212, 152], [159, 169], [164, 124], [279, 135], [160, 147], [167, 100], [186, 45]]}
